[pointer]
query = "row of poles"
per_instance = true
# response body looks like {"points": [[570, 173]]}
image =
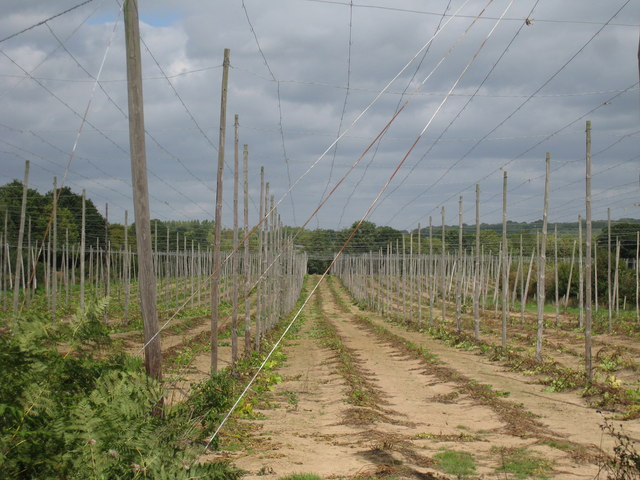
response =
{"points": [[272, 274], [404, 284]]}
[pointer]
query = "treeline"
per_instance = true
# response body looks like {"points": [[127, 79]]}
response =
{"points": [[174, 235]]}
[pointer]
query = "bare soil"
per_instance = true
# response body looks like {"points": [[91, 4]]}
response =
{"points": [[421, 406]]}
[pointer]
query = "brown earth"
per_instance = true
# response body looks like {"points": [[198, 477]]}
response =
{"points": [[420, 408]]}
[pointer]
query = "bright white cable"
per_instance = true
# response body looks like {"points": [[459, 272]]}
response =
{"points": [[366, 214], [328, 149]]}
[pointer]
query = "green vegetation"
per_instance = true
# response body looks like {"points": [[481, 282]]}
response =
{"points": [[301, 476], [522, 463], [72, 416], [456, 463]]}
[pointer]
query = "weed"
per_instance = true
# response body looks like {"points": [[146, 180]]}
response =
{"points": [[625, 463], [522, 464], [301, 476], [292, 399], [456, 463]]}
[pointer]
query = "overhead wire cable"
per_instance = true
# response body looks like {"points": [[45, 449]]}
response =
{"points": [[344, 103], [522, 154], [530, 97], [375, 153], [513, 19], [457, 116], [284, 149], [280, 200], [45, 58], [339, 253], [149, 134], [35, 25]]}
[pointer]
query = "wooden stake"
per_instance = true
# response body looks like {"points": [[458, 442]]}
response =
{"points": [[215, 279], [234, 294], [146, 278], [477, 285], [609, 295], [505, 262], [460, 277], [587, 323], [543, 262], [246, 266], [23, 214], [54, 253], [443, 274]]}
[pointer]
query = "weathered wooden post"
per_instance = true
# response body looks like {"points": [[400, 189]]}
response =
{"points": [[217, 264], [146, 277]]}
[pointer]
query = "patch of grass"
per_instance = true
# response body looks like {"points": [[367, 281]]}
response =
{"points": [[522, 463], [301, 476], [456, 463]]}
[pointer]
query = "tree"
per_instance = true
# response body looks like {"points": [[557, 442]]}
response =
{"points": [[627, 233]]}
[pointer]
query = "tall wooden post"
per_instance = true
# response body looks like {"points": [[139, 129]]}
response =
{"points": [[146, 277], [54, 254], [609, 295], [107, 261], [443, 275], [23, 214], [580, 275], [505, 262], [83, 239], [215, 278], [234, 313], [432, 277], [587, 269], [460, 277], [246, 266], [126, 272], [477, 285], [542, 262]]}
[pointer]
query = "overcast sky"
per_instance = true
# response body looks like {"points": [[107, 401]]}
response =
{"points": [[493, 95]]}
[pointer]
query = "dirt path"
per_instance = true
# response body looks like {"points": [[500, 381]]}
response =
{"points": [[407, 411]]}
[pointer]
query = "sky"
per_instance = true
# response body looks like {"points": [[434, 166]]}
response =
{"points": [[391, 109]]}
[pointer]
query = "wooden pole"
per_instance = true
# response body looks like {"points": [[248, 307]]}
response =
{"points": [[215, 293], [54, 253], [23, 214], [107, 260], [432, 277], [234, 313], [505, 262], [127, 286], [580, 275], [555, 269], [543, 262], [460, 277], [609, 295], [443, 274], [477, 286], [638, 277], [146, 277], [587, 320], [246, 266]]}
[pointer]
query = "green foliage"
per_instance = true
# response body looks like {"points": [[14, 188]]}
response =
{"points": [[70, 416], [625, 462], [455, 463], [626, 233], [522, 463], [301, 476]]}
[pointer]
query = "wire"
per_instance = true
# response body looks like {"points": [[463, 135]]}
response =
{"points": [[44, 21], [344, 103], [375, 153], [555, 74], [514, 19], [273, 77], [458, 114]]}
